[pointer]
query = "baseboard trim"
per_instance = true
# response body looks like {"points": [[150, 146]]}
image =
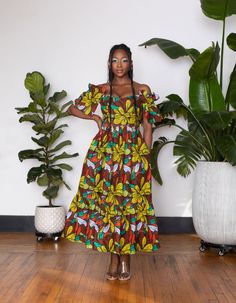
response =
{"points": [[167, 225]]}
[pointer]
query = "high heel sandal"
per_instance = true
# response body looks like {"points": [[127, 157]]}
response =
{"points": [[111, 276], [124, 273]]}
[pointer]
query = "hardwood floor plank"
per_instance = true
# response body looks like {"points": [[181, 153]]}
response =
{"points": [[67, 272]]}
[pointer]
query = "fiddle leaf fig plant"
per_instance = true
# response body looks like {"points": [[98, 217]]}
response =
{"points": [[211, 115], [44, 113]]}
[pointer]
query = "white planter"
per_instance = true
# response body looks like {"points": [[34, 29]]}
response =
{"points": [[49, 220], [214, 202]]}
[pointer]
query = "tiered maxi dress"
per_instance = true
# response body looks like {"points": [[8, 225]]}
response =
{"points": [[112, 210]]}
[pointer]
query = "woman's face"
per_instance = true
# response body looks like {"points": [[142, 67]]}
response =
{"points": [[120, 63]]}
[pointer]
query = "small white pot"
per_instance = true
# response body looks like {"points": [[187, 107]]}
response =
{"points": [[214, 202], [49, 220]]}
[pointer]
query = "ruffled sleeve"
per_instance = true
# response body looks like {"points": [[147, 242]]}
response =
{"points": [[89, 100], [150, 108]]}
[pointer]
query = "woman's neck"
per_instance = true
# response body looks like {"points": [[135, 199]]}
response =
{"points": [[121, 81]]}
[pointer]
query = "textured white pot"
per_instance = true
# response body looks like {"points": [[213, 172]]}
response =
{"points": [[214, 202], [49, 220]]}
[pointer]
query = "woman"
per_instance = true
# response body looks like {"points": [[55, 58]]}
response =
{"points": [[112, 210]]}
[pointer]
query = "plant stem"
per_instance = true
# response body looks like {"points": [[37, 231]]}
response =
{"points": [[222, 54]]}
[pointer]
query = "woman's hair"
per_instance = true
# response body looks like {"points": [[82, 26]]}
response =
{"points": [[111, 75]]}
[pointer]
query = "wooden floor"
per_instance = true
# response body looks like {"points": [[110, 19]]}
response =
{"points": [[67, 272]]}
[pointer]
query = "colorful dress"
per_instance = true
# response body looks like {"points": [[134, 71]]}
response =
{"points": [[112, 210]]}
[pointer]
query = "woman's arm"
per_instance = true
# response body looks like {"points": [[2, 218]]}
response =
{"points": [[147, 132], [74, 111], [147, 127]]}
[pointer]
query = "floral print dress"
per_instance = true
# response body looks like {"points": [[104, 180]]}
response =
{"points": [[112, 210]]}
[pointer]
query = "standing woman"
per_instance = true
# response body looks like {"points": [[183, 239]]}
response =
{"points": [[112, 210]]}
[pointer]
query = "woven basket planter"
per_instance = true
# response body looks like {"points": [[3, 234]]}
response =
{"points": [[214, 202]]}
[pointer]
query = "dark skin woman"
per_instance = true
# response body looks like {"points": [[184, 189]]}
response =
{"points": [[120, 87]]}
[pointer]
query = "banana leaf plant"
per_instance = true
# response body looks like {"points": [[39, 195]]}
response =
{"points": [[211, 116], [44, 113]]}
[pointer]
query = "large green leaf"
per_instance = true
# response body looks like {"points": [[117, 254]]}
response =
{"points": [[34, 118], [172, 49], [51, 192], [175, 105], [55, 135], [30, 154], [51, 176], [64, 166], [205, 95], [206, 64], [34, 82], [157, 146], [43, 180], [34, 173], [231, 92], [39, 98], [46, 89], [188, 152], [58, 96], [45, 128], [231, 41], [43, 141], [53, 108], [32, 108], [61, 126], [53, 172], [218, 120], [218, 9], [63, 156], [60, 146], [227, 147]]}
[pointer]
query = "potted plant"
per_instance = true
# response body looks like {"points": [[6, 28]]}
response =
{"points": [[211, 133], [44, 113]]}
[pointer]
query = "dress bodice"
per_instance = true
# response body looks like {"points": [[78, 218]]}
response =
{"points": [[123, 111]]}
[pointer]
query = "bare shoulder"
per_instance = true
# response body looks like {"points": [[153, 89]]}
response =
{"points": [[140, 87]]}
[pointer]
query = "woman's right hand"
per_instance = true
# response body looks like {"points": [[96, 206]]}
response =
{"points": [[98, 120]]}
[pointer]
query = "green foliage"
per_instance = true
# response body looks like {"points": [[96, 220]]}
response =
{"points": [[211, 116], [44, 112]]}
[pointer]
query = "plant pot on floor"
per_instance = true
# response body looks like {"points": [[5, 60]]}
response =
{"points": [[49, 221], [214, 205]]}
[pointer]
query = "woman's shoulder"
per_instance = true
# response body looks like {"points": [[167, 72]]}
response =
{"points": [[142, 87]]}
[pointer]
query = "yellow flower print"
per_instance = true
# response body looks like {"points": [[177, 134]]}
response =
{"points": [[75, 202], [100, 146], [83, 183], [111, 197], [142, 211], [125, 117], [119, 151], [97, 188], [139, 152], [149, 101], [109, 217], [90, 100], [139, 193], [115, 192]]}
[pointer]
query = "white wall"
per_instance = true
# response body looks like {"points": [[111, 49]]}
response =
{"points": [[69, 41]]}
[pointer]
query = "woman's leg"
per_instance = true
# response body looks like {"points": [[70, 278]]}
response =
{"points": [[124, 268], [112, 273]]}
